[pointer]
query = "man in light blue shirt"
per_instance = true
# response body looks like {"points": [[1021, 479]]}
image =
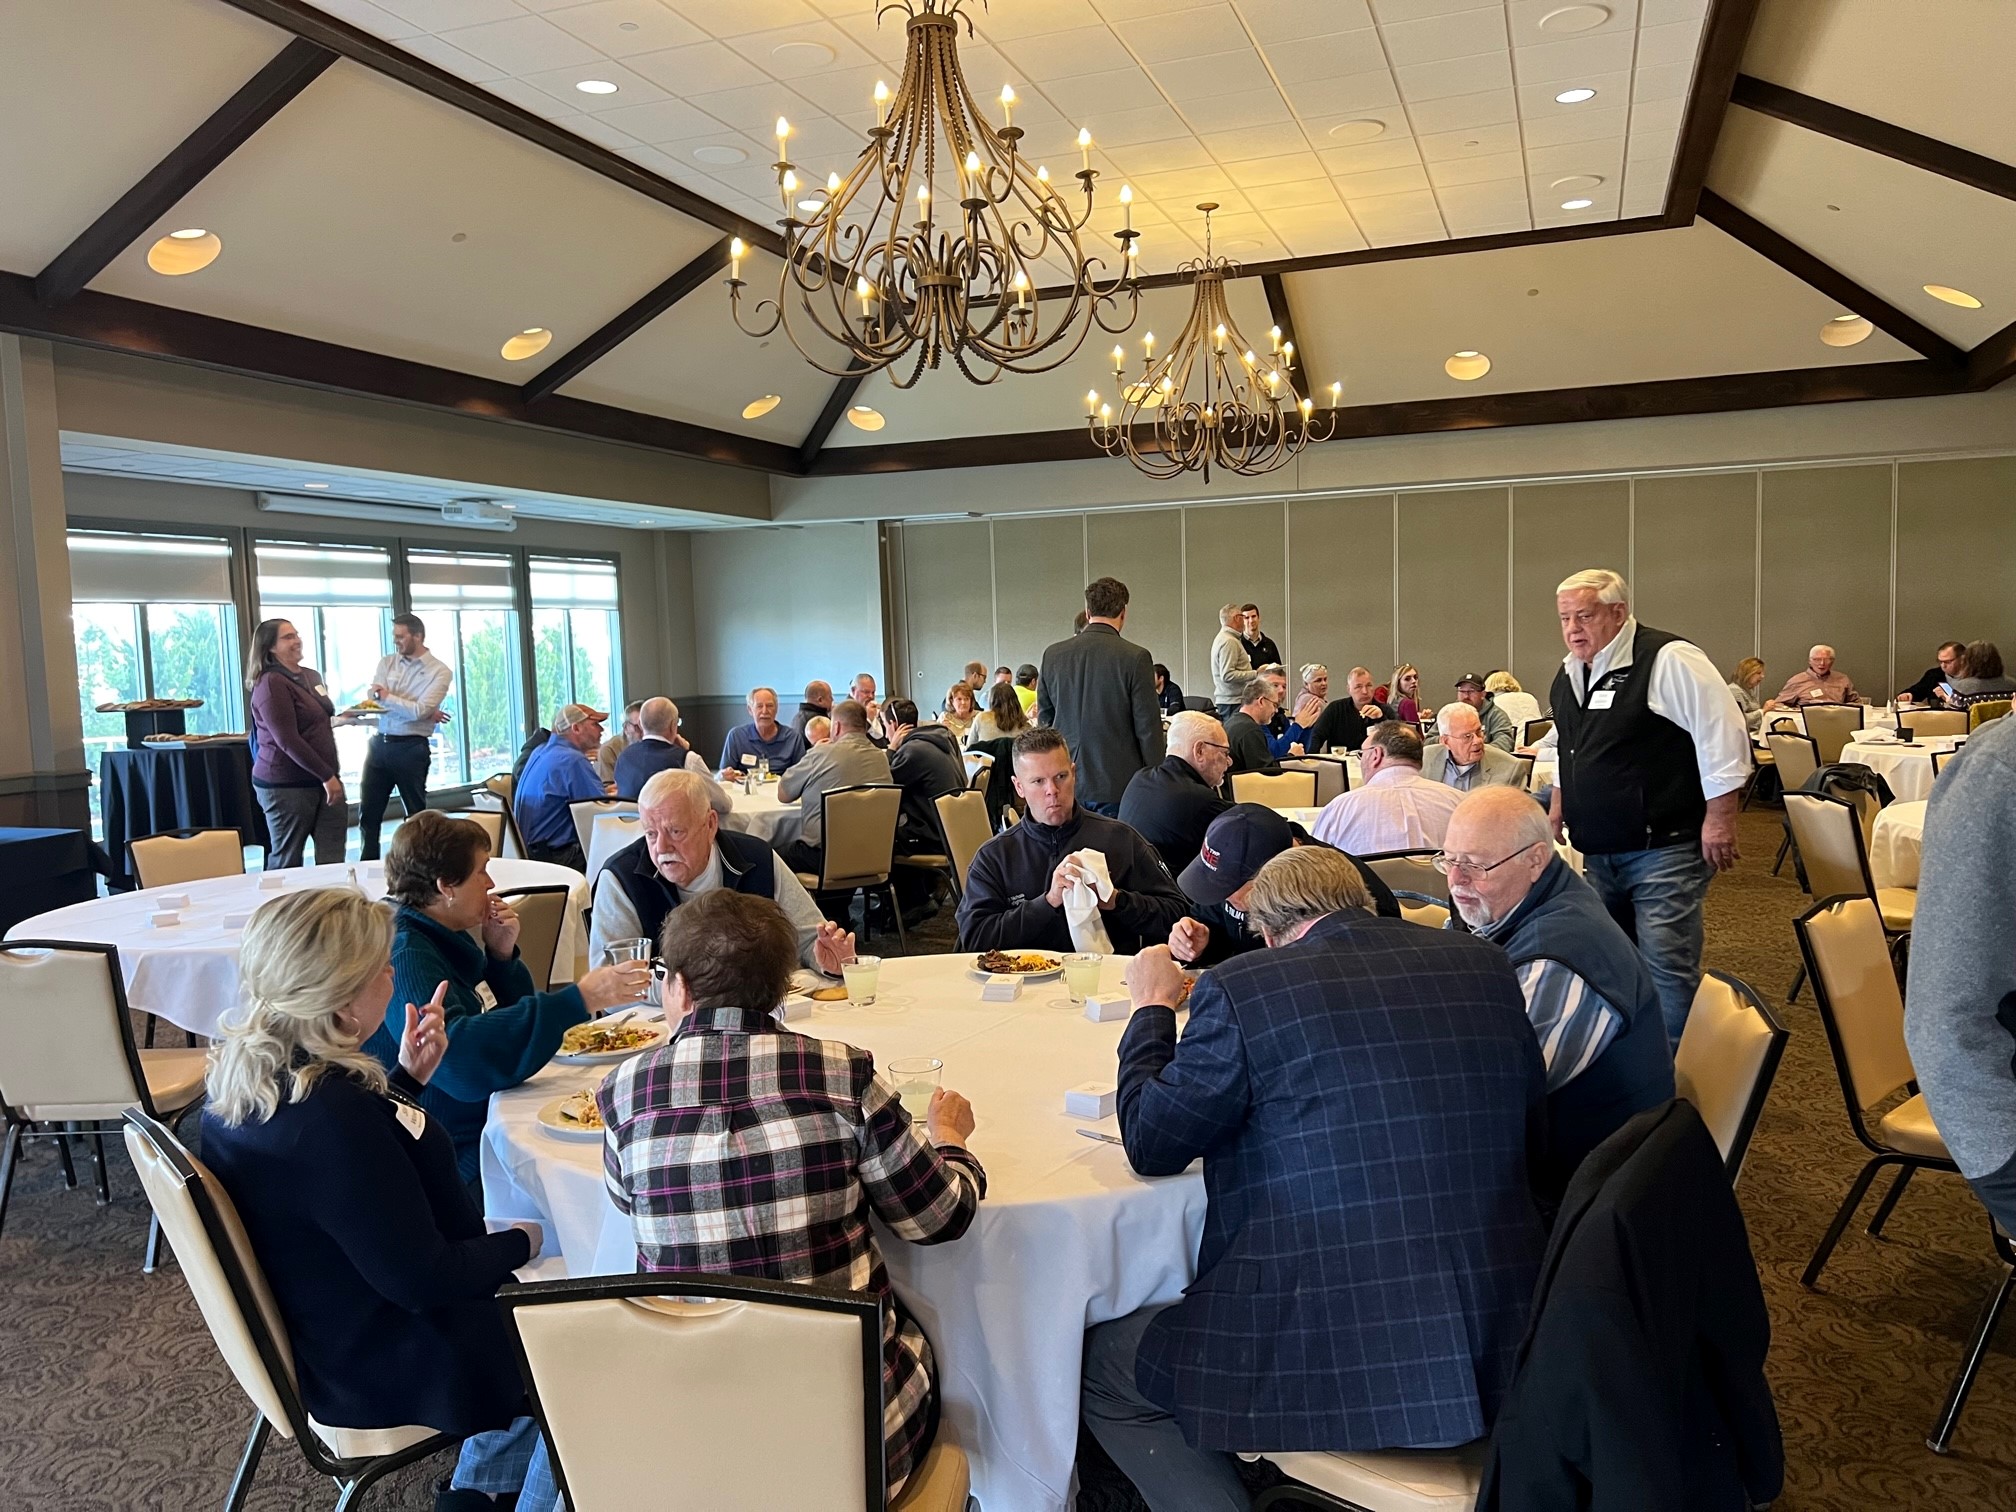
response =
{"points": [[411, 684], [761, 738], [559, 773]]}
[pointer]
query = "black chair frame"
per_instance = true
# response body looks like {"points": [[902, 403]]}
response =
{"points": [[1941, 1437]]}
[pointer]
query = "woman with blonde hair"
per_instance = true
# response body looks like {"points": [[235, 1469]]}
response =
{"points": [[960, 711], [1743, 683], [1405, 691], [1517, 705], [377, 1259]]}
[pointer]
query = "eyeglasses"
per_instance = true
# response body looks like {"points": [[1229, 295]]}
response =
{"points": [[1450, 865], [1212, 745]]}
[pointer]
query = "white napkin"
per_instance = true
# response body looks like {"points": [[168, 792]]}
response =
{"points": [[1082, 899]]}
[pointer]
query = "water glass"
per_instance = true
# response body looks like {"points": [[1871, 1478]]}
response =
{"points": [[1081, 975], [621, 952], [861, 975], [915, 1079]]}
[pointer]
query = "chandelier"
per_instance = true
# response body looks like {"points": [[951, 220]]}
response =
{"points": [[878, 276], [1209, 401]]}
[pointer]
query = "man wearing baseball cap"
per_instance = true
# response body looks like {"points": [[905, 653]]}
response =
{"points": [[1498, 729], [560, 772], [1238, 843]]}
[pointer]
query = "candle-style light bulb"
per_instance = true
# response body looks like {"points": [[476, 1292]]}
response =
{"points": [[1105, 414], [924, 201], [1127, 204], [1250, 358], [1218, 336], [1119, 360], [1085, 146], [790, 183], [1007, 105], [970, 173], [1092, 401], [1273, 383], [1274, 338], [881, 103], [1336, 394], [1288, 353], [1042, 174], [832, 183], [783, 131], [735, 251], [1021, 289], [1307, 406]]}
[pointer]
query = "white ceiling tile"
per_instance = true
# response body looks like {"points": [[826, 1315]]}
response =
{"points": [[621, 28], [1605, 158], [755, 108], [374, 19], [1256, 142], [838, 89], [700, 69], [1437, 39], [1233, 112], [1525, 17], [1368, 157], [1576, 59], [1336, 56], [1084, 99], [1185, 151], [1442, 146], [1666, 12], [1648, 200], [1024, 18], [1679, 43], [1184, 34], [446, 55], [1349, 130], [1491, 108], [1285, 20], [525, 97], [631, 88], [1393, 12], [526, 45], [1477, 168], [1656, 115], [597, 129], [1135, 10], [1649, 143], [762, 49], [744, 15], [441, 15], [1276, 170], [1190, 79], [1270, 197], [1068, 54], [1341, 98], [1537, 102], [1457, 76], [1385, 183], [1495, 201], [1570, 126], [824, 144], [1662, 81], [1150, 123]]}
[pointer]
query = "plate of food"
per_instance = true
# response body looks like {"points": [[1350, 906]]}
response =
{"points": [[1030, 965], [224, 738], [365, 706], [594, 1042], [150, 705], [574, 1116]]}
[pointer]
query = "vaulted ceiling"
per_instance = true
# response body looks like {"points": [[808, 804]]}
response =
{"points": [[401, 185]]}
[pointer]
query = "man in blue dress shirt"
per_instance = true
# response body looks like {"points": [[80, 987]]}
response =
{"points": [[559, 773], [762, 736]]}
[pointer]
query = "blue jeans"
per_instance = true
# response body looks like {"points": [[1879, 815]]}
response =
{"points": [[1657, 897], [1141, 1438]]}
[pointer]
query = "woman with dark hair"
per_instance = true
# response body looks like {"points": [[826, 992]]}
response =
{"points": [[295, 769], [1979, 677], [452, 933], [1002, 719]]}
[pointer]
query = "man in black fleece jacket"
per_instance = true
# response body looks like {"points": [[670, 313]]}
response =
{"points": [[1014, 897]]}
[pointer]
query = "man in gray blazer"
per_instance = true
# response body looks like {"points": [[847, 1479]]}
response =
{"points": [[1463, 759], [1097, 690]]}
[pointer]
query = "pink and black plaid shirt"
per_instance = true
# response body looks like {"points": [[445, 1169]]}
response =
{"points": [[742, 1148]]}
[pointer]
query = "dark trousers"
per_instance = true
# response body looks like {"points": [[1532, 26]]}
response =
{"points": [[560, 855], [1143, 1439], [390, 761]]}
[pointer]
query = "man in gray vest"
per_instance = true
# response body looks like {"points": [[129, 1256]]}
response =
{"points": [[1653, 754], [1593, 1005]]}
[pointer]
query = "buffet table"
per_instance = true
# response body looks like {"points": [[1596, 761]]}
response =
{"points": [[176, 787]]}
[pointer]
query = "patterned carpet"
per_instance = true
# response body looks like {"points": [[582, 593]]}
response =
{"points": [[112, 1396]]}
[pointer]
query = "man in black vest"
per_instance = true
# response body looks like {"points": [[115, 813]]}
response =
{"points": [[1653, 753], [684, 853]]}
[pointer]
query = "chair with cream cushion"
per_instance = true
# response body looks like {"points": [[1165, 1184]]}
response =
{"points": [[1332, 773], [1797, 758], [1726, 1061], [1288, 790], [488, 820], [1924, 722], [231, 1292], [858, 848], [186, 855], [1832, 726], [1395, 1480], [542, 911], [588, 810], [1410, 870], [963, 817], [1834, 850], [67, 1058], [716, 1391]]}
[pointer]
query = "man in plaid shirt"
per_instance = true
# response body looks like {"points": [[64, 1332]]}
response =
{"points": [[742, 1148]]}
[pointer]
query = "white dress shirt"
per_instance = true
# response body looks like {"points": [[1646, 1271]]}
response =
{"points": [[414, 689], [1687, 690], [1396, 809]]}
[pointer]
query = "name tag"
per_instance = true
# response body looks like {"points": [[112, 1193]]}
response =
{"points": [[1602, 699], [411, 1119], [488, 999]]}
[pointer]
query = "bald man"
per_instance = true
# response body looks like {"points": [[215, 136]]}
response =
{"points": [[1171, 805], [657, 748], [1818, 682], [1593, 1005]]}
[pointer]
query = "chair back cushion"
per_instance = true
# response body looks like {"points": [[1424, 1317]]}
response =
{"points": [[1333, 777], [1535, 730], [1923, 722], [66, 1045], [490, 821], [1289, 790], [1796, 757], [541, 912], [1855, 987], [1828, 832], [1980, 713], [1728, 1055], [586, 811], [860, 834], [1410, 871], [165, 860], [1832, 726], [964, 818], [736, 1403], [501, 785]]}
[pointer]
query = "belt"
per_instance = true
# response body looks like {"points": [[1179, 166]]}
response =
{"points": [[402, 737]]}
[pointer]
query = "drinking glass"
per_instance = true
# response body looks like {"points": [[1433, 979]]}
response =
{"points": [[915, 1079], [860, 975], [1081, 976], [618, 952]]}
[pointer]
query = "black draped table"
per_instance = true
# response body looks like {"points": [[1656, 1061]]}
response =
{"points": [[42, 869], [183, 787]]}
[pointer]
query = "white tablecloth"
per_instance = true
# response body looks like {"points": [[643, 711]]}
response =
{"points": [[1896, 843], [1907, 768], [759, 814], [1068, 1235], [188, 973]]}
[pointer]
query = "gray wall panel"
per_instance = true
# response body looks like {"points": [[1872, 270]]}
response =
{"points": [[1697, 562], [1452, 586], [1559, 528], [951, 604], [1233, 553], [1144, 549], [1340, 584], [1956, 558], [1827, 571], [1039, 583]]}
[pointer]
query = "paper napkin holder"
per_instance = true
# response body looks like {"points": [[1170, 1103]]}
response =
{"points": [[1002, 987]]}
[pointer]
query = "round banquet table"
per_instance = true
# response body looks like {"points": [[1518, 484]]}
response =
{"points": [[187, 973], [759, 814], [1896, 843], [1907, 768], [1068, 1235]]}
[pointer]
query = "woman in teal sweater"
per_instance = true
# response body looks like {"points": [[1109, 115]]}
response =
{"points": [[501, 1028]]}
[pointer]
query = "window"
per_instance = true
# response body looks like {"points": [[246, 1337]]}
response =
{"points": [[576, 643], [340, 599], [465, 600]]}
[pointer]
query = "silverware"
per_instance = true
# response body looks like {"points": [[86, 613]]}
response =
{"points": [[1103, 1138]]}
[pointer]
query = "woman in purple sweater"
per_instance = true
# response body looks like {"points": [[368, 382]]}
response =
{"points": [[295, 770]]}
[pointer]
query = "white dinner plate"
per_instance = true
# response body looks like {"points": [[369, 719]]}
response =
{"points": [[1028, 976], [551, 1121], [659, 1034]]}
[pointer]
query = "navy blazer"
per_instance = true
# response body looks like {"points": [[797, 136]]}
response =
{"points": [[1365, 1101], [377, 1259]]}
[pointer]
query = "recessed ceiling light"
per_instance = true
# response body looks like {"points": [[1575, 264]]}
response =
{"points": [[1953, 296], [181, 252], [527, 343], [1577, 183], [756, 409], [720, 155], [1467, 366], [1574, 96], [1846, 330], [865, 417], [1575, 18], [1357, 131], [1577, 204], [596, 86], [314, 485], [803, 54]]}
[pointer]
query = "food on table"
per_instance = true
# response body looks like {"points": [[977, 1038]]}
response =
{"points": [[1183, 992], [828, 994], [580, 1110], [606, 1039], [191, 739], [150, 705], [1016, 962]]}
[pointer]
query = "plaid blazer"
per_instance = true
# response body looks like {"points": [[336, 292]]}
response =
{"points": [[1364, 1101]]}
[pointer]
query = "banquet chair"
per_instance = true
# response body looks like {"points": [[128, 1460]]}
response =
{"points": [[1980, 713], [963, 817], [587, 810], [1834, 855], [1192, 703], [542, 913], [1332, 774], [1525, 773], [1411, 870], [1727, 1060], [232, 1293], [490, 821], [1939, 760], [1392, 1480], [1534, 730], [1797, 758], [68, 1063], [186, 855], [1288, 790], [860, 848], [1924, 722], [1832, 726], [715, 1391], [1862, 1009]]}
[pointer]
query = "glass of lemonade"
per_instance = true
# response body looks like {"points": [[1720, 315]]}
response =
{"points": [[915, 1079], [1081, 975], [860, 975]]}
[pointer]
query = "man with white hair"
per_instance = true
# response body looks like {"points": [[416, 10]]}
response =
{"points": [[1231, 665], [1653, 754], [684, 853], [1171, 805], [1594, 1006], [1463, 759], [1395, 808], [657, 748], [1818, 682], [762, 739]]}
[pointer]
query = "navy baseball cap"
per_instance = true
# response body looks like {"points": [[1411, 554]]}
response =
{"points": [[1239, 842]]}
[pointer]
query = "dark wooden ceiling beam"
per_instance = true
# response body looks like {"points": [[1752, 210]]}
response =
{"points": [[829, 416], [1994, 360], [147, 330], [1715, 72], [1803, 265], [268, 92], [571, 364], [1987, 174], [1623, 401]]}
